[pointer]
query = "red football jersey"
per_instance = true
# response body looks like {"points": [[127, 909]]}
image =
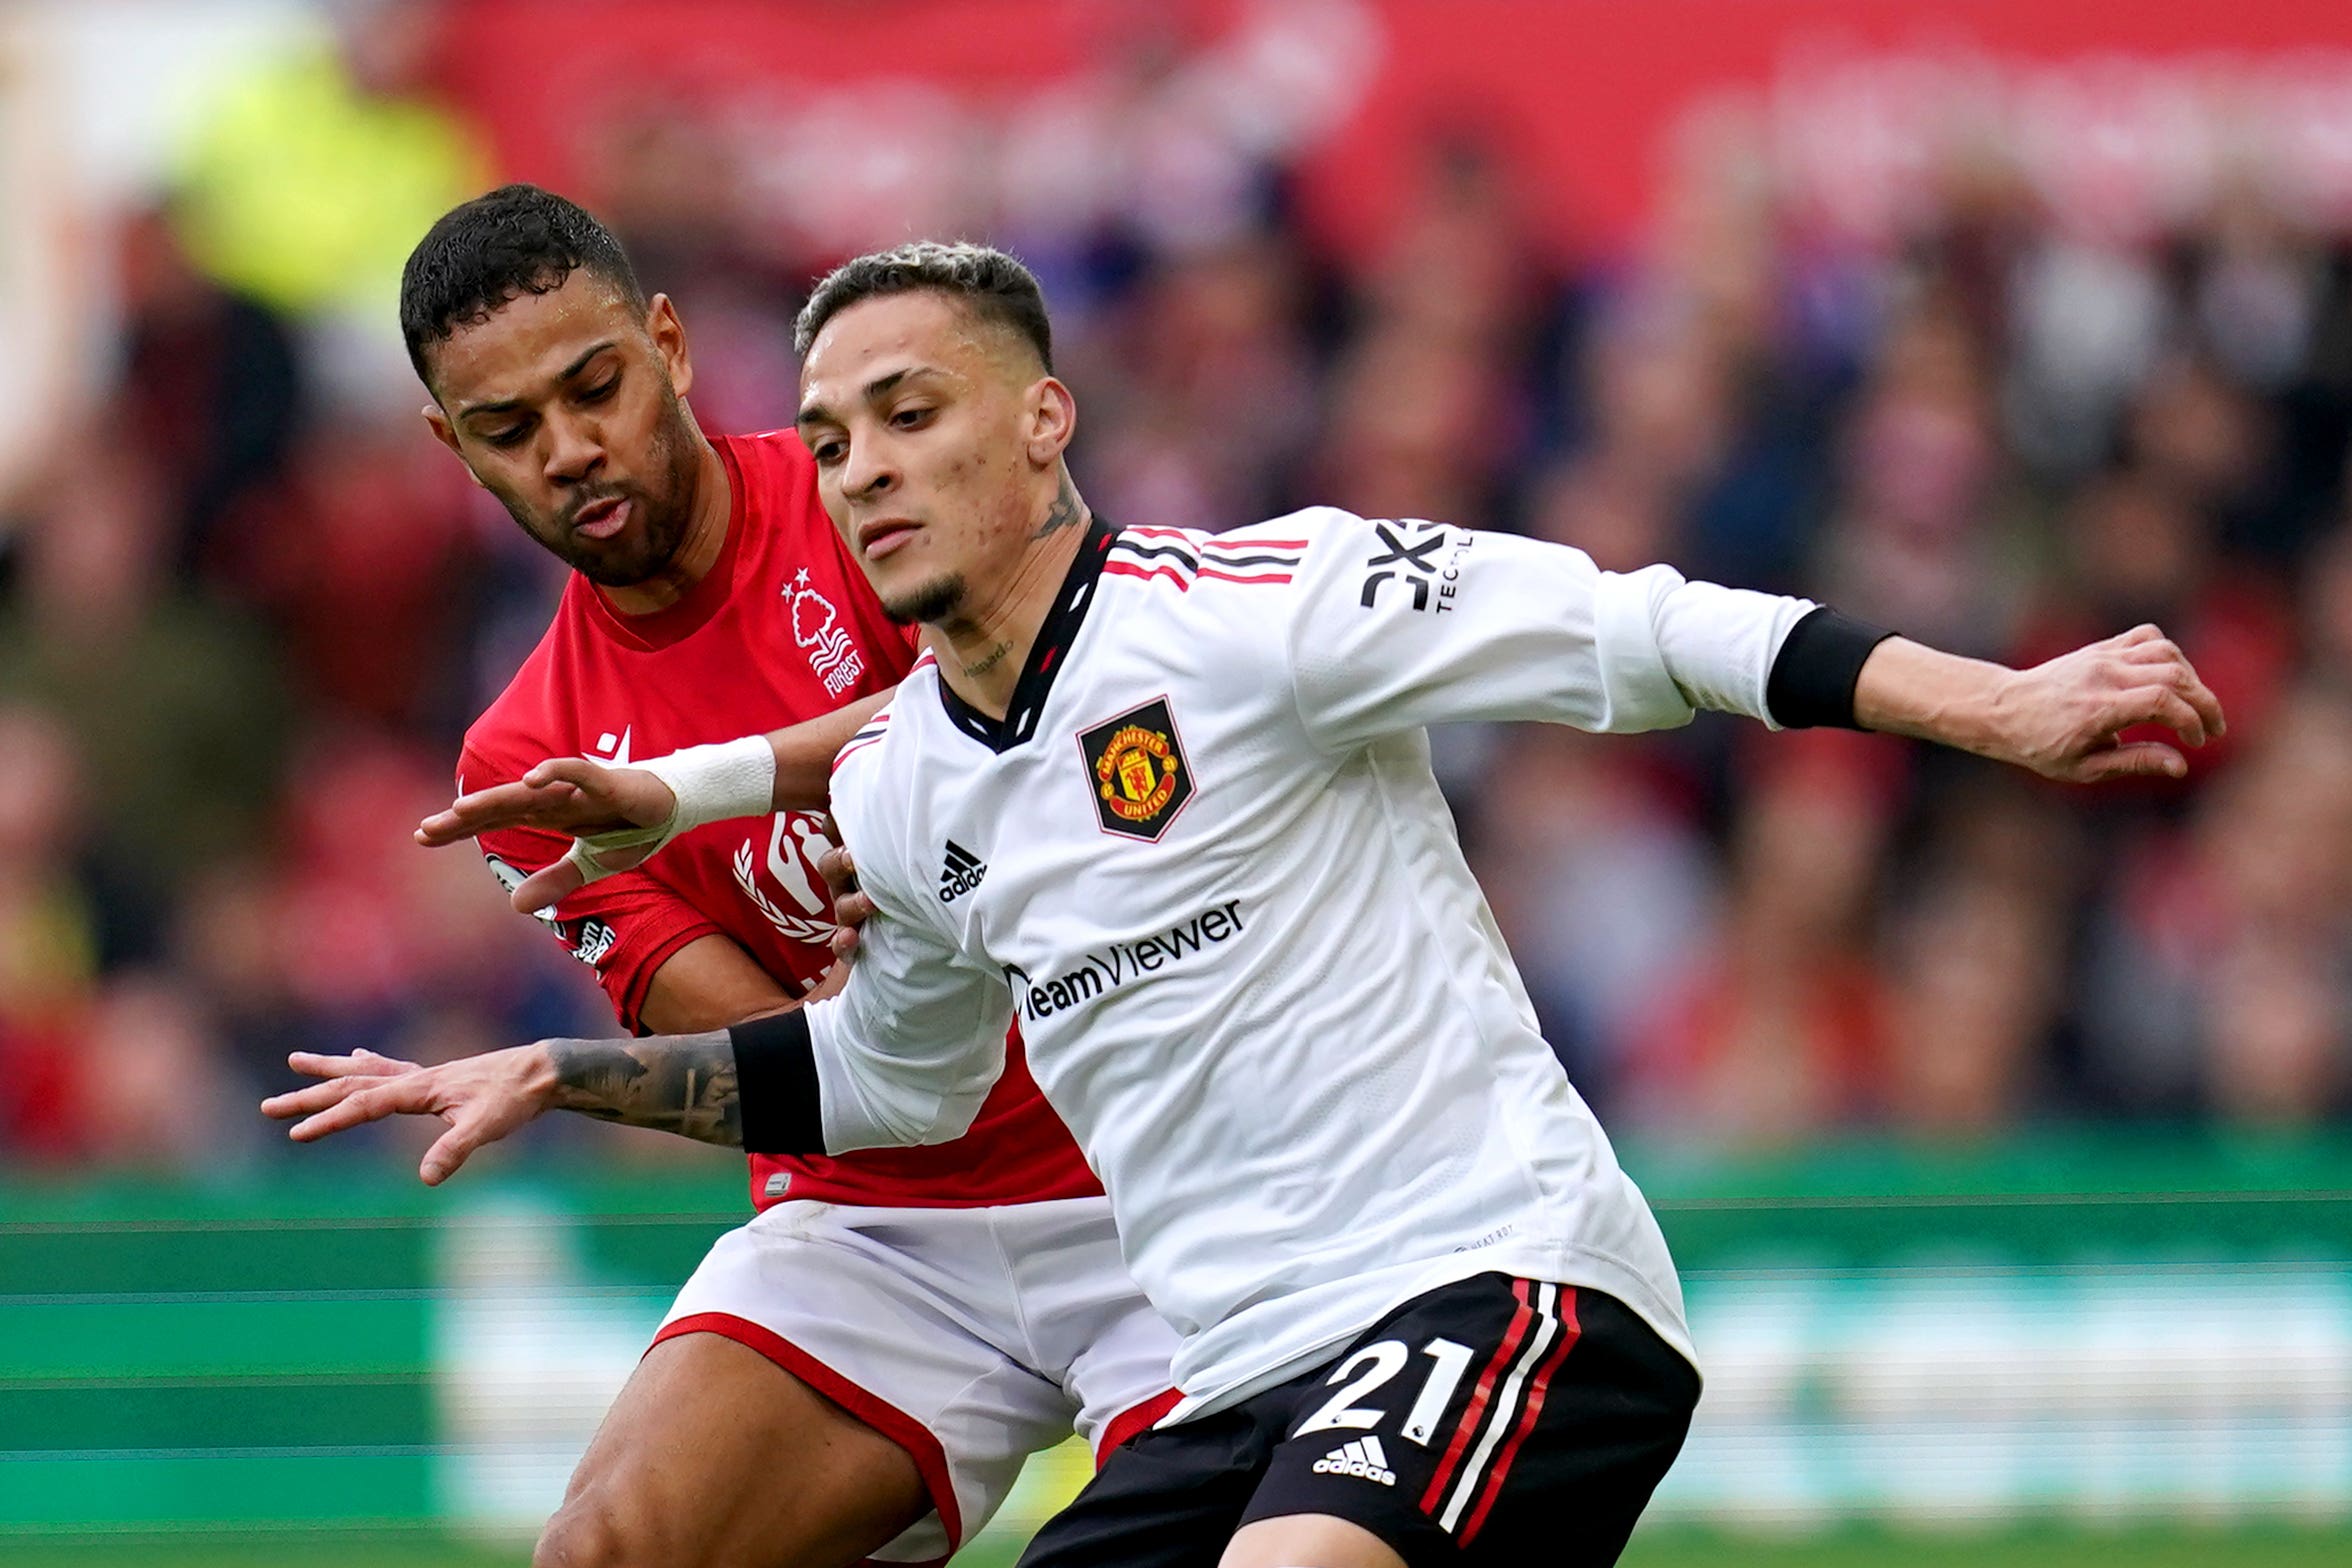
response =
{"points": [[783, 629]]}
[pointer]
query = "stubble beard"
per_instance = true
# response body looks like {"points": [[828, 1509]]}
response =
{"points": [[664, 516], [928, 604]]}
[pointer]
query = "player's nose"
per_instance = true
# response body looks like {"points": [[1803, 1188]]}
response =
{"points": [[575, 450], [866, 477]]}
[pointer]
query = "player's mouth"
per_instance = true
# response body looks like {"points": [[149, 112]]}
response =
{"points": [[881, 537], [602, 519]]}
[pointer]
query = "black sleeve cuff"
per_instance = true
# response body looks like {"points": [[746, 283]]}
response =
{"points": [[776, 1074], [1813, 677]]}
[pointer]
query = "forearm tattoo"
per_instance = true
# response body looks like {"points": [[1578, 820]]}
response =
{"points": [[677, 1083]]}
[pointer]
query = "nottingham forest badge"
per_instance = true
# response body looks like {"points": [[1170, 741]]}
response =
{"points": [[1136, 767]]}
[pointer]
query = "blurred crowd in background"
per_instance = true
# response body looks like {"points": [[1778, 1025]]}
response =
{"points": [[247, 607]]}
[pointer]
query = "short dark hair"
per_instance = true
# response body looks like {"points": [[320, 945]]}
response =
{"points": [[516, 240], [990, 283]]}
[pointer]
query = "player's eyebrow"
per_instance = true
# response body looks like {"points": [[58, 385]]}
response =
{"points": [[507, 405], [873, 392]]}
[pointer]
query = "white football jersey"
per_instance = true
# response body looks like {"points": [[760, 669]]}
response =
{"points": [[1204, 862]]}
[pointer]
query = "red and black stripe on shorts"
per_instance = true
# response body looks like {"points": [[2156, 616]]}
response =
{"points": [[1494, 1420]]}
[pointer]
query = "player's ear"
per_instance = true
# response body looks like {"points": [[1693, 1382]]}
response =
{"points": [[1053, 420], [669, 340], [438, 422]]}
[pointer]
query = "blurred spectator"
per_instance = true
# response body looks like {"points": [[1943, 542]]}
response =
{"points": [[2216, 975], [1918, 543], [315, 172], [362, 558], [173, 699], [1780, 1027], [672, 191], [156, 1090], [1975, 986], [1978, 959], [49, 949], [1209, 387], [211, 386]]}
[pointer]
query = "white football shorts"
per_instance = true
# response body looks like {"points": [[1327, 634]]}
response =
{"points": [[971, 1337]]}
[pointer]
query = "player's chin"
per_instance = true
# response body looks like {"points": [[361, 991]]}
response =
{"points": [[931, 599], [623, 561]]}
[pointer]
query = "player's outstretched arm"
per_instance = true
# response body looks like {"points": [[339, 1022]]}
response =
{"points": [[676, 1082], [683, 1084], [2063, 719], [620, 817]]}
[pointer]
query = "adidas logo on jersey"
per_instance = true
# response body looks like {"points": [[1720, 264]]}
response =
{"points": [[1364, 1460], [961, 874]]}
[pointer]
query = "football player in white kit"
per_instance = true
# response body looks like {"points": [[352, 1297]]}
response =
{"points": [[1165, 797]]}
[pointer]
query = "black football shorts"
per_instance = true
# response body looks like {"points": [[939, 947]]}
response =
{"points": [[1492, 1421]]}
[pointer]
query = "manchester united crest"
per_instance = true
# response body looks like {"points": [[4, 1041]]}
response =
{"points": [[1136, 767]]}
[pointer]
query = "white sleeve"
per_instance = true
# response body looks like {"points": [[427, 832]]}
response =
{"points": [[910, 1047], [1398, 624]]}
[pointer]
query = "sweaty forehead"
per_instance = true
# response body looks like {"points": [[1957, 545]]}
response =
{"points": [[528, 338]]}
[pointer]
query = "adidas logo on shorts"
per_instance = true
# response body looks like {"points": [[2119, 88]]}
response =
{"points": [[1364, 1460], [961, 874]]}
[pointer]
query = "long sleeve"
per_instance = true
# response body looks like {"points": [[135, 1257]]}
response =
{"points": [[909, 1049], [906, 1052], [1398, 624]]}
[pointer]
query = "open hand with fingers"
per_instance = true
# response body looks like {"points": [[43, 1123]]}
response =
{"points": [[619, 816], [616, 817], [561, 795], [481, 1098]]}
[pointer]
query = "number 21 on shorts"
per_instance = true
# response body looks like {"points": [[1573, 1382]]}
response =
{"points": [[1373, 1368]]}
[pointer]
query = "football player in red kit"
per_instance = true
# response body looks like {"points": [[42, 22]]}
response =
{"points": [[859, 1372]]}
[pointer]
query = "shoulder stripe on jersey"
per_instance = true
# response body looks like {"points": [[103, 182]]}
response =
{"points": [[1245, 561], [1146, 551], [1169, 552], [1126, 569], [1161, 540], [876, 729], [1184, 583], [1232, 577], [1268, 558], [1182, 539]]}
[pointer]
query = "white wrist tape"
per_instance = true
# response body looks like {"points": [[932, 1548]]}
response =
{"points": [[736, 778]]}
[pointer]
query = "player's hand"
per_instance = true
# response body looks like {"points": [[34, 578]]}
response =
{"points": [[2065, 718], [569, 795], [481, 1098], [851, 907], [338, 1071]]}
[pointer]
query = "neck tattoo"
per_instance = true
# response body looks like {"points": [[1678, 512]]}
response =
{"points": [[1066, 510], [989, 660]]}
